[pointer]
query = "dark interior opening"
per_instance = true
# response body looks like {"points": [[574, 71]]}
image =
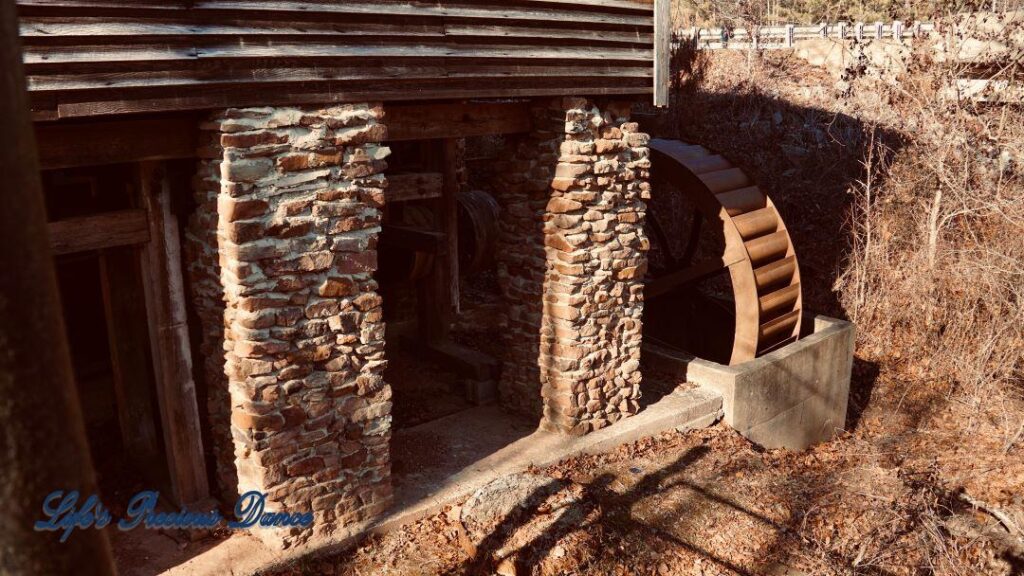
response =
{"points": [[698, 316], [427, 385], [101, 293], [423, 387]]}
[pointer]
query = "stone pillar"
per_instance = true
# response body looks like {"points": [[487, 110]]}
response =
{"points": [[571, 265], [283, 248]]}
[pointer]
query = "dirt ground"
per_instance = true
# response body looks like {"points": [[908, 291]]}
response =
{"points": [[893, 496]]}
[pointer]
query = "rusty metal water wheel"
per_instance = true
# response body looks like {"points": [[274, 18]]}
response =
{"points": [[753, 246]]}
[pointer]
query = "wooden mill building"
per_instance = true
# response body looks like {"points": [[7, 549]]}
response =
{"points": [[221, 174]]}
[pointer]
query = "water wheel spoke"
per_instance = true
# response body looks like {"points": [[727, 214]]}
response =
{"points": [[761, 260], [684, 277]]}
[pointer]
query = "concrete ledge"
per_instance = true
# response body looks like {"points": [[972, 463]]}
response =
{"points": [[791, 398], [468, 450]]}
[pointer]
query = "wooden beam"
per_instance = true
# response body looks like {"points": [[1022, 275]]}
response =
{"points": [[105, 230], [115, 141], [437, 293], [413, 186], [450, 219], [169, 342], [455, 120], [124, 303], [173, 136], [365, 91], [662, 51]]}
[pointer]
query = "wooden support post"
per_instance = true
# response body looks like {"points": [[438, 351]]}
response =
{"points": [[168, 332], [790, 33], [437, 295], [662, 51], [450, 219], [42, 436], [431, 304], [124, 302]]}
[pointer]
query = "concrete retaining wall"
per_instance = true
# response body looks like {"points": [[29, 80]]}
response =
{"points": [[791, 398]]}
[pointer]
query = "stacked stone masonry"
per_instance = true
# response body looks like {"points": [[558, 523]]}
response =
{"points": [[282, 251], [571, 265]]}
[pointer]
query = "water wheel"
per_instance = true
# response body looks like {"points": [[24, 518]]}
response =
{"points": [[753, 246], [478, 214]]}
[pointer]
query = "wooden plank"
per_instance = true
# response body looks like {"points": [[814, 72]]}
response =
{"points": [[168, 331], [452, 120], [466, 361], [89, 28], [642, 6], [638, 36], [124, 304], [382, 9], [434, 293], [662, 51], [631, 5], [50, 58], [111, 142], [67, 144], [432, 309], [494, 10], [431, 302], [413, 186], [105, 230], [84, 30]]}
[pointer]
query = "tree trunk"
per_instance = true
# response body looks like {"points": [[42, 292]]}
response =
{"points": [[42, 437]]}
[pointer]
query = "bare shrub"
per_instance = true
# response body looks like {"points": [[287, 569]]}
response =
{"points": [[936, 274]]}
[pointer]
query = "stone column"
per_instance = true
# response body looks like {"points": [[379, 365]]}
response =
{"points": [[285, 287], [572, 265]]}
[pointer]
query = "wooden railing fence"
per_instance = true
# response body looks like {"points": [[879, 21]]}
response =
{"points": [[771, 37]]}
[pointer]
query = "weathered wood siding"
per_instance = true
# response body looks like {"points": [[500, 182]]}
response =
{"points": [[101, 57]]}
